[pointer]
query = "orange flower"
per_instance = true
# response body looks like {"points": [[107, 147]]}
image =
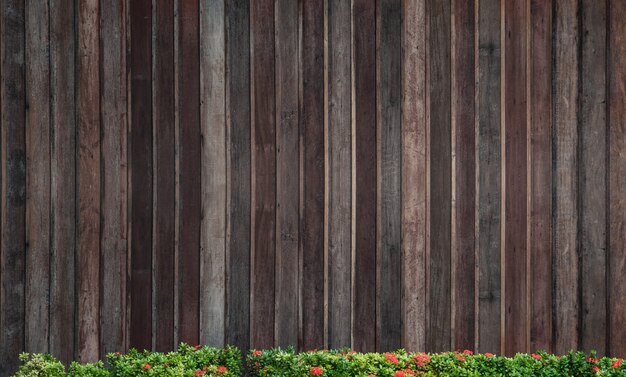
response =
{"points": [[400, 374], [468, 352], [488, 354], [146, 367], [459, 357], [257, 353], [221, 369], [535, 356], [199, 373], [316, 371], [595, 369], [617, 364], [421, 360], [391, 358], [197, 347]]}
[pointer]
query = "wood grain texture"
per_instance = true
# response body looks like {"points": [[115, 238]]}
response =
{"points": [[190, 170], [287, 172], [339, 174], [565, 141], [365, 154], [313, 167], [13, 207], [464, 174], [414, 181], [263, 174], [438, 336], [617, 176], [141, 165], [489, 176], [592, 171], [89, 195], [37, 129], [541, 123], [114, 235], [164, 200], [213, 129], [515, 15]]}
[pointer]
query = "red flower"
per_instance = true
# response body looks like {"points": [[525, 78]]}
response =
{"points": [[595, 369], [146, 367], [617, 364], [421, 360], [592, 360], [468, 352], [316, 371], [488, 354], [535, 356], [459, 357], [391, 358], [221, 369], [400, 374], [409, 372], [199, 373], [257, 353], [197, 347]]}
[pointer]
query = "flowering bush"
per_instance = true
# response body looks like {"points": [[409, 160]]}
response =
{"points": [[344, 363]]}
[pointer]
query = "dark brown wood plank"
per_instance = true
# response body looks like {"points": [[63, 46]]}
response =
{"points": [[189, 173], [165, 175], [389, 105], [489, 176], [140, 325], [364, 338], [213, 128], [238, 170], [438, 335], [592, 183], [617, 176], [89, 195], [541, 176], [414, 186], [287, 172], [464, 174], [13, 207], [114, 239], [339, 174], [63, 179], [263, 174], [313, 167], [565, 169], [37, 289]]}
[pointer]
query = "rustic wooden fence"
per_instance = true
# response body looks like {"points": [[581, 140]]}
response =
{"points": [[432, 175]]}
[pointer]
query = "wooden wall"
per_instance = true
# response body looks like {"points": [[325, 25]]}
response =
{"points": [[434, 175]]}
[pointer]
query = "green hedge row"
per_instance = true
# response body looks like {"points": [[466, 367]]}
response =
{"points": [[187, 361], [345, 363]]}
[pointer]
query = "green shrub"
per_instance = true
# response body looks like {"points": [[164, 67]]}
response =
{"points": [[88, 370], [39, 365]]}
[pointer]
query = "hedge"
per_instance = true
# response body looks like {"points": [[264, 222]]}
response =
{"points": [[342, 363]]}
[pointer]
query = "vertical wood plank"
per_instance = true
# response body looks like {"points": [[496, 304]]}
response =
{"points": [[213, 128], [312, 195], [565, 175], [238, 171], [140, 326], [439, 286], [165, 175], [114, 239], [489, 179], [13, 209], [541, 176], [37, 131], [464, 174], [263, 174], [339, 140], [287, 172], [389, 105], [414, 160], [364, 56], [190, 170], [592, 176], [617, 177], [63, 179], [89, 194]]}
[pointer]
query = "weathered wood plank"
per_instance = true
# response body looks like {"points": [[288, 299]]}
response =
{"points": [[190, 169], [114, 238], [438, 336], [565, 219], [489, 176], [541, 176], [140, 326], [592, 183], [63, 179], [313, 167], [263, 174], [37, 128], [464, 174], [213, 129], [287, 172], [165, 175], [13, 207], [339, 173], [617, 176], [364, 63], [89, 195]]}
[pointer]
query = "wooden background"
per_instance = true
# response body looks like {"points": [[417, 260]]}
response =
{"points": [[435, 175]]}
